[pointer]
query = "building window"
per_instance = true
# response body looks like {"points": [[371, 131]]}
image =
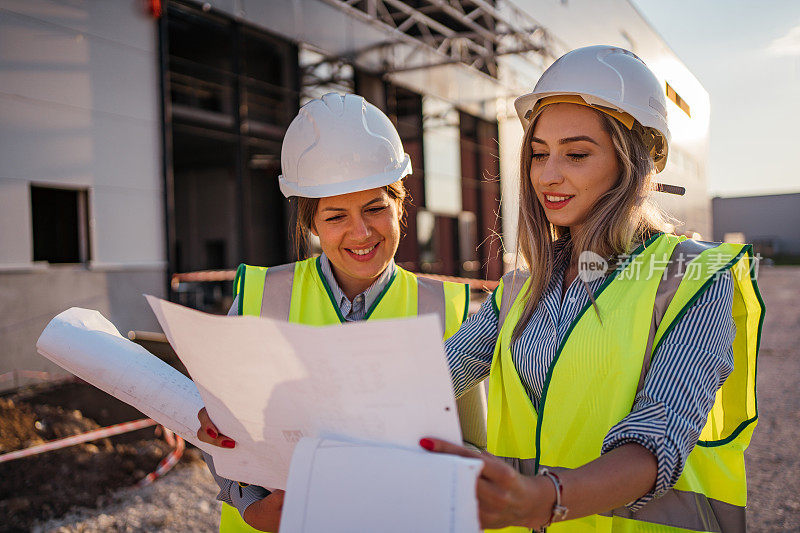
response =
{"points": [[60, 224], [233, 90], [676, 98]]}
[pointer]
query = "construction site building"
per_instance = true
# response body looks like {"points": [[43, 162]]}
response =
{"points": [[142, 139]]}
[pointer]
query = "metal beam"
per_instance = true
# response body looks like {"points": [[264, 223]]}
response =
{"points": [[456, 34]]}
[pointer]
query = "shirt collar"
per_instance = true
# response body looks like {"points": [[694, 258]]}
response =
{"points": [[368, 296]]}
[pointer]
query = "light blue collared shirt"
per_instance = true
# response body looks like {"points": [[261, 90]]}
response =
{"points": [[357, 309]]}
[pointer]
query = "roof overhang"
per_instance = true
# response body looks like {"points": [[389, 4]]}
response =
{"points": [[446, 48]]}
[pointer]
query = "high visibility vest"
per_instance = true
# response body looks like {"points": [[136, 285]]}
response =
{"points": [[298, 292], [599, 366]]}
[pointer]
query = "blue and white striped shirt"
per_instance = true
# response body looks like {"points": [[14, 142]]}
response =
{"points": [[357, 309], [670, 411]]}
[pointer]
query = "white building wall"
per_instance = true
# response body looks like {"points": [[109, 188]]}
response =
{"points": [[442, 140], [79, 108], [79, 101], [510, 144], [15, 223]]}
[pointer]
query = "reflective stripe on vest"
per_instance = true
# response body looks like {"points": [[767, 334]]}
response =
{"points": [[405, 295], [568, 428], [298, 292]]}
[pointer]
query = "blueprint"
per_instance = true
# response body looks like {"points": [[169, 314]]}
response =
{"points": [[341, 487], [267, 384]]}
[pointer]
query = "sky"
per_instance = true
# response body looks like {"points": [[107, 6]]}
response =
{"points": [[747, 56]]}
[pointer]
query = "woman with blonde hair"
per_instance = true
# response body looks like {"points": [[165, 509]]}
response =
{"points": [[343, 163], [622, 360]]}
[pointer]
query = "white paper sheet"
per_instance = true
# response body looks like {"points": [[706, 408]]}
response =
{"points": [[341, 487], [267, 384], [85, 343]]}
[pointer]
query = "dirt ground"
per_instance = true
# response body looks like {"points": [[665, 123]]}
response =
{"points": [[51, 484], [773, 459], [184, 499]]}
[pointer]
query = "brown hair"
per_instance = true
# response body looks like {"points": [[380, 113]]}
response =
{"points": [[620, 219], [307, 209]]}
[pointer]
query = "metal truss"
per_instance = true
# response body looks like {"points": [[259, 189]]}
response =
{"points": [[472, 32], [321, 74]]}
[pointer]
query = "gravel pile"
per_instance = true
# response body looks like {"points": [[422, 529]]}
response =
{"points": [[184, 499]]}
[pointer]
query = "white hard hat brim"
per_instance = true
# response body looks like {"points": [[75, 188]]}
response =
{"points": [[289, 188], [525, 103]]}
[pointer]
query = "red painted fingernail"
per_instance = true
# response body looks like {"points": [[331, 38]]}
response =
{"points": [[211, 433], [228, 444], [427, 444]]}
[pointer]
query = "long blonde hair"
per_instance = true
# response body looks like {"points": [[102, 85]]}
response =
{"points": [[622, 218]]}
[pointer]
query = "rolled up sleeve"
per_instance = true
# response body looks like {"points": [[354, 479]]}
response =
{"points": [[690, 365]]}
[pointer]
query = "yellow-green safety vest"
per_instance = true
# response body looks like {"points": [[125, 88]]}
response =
{"points": [[298, 292], [599, 366]]}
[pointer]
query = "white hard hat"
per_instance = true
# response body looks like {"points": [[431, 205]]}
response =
{"points": [[340, 144], [612, 80]]}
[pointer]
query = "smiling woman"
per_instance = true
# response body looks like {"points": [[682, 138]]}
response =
{"points": [[343, 163], [573, 162], [621, 402], [359, 232], [590, 178]]}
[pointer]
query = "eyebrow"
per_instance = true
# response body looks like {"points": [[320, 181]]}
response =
{"points": [[568, 140], [339, 209]]}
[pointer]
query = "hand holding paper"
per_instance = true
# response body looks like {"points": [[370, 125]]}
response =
{"points": [[384, 381], [340, 487], [378, 386]]}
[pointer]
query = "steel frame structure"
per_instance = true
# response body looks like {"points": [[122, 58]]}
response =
{"points": [[320, 73], [471, 32]]}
